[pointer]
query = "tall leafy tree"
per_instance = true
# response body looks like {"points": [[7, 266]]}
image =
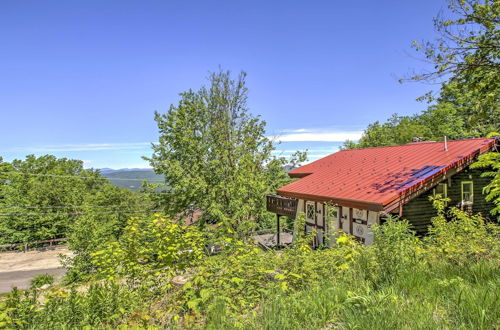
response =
{"points": [[38, 194], [215, 155], [465, 59], [47, 197], [466, 56], [490, 162]]}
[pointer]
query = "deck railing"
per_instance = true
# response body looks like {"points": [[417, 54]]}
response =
{"points": [[26, 246], [282, 205]]}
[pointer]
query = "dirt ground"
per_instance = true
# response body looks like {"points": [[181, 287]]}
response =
{"points": [[31, 260], [18, 268]]}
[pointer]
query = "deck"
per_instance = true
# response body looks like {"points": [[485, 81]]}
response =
{"points": [[269, 238]]}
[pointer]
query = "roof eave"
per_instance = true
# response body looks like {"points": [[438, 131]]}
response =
{"points": [[365, 205], [297, 175]]}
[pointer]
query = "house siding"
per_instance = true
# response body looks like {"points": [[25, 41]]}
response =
{"points": [[419, 210], [357, 222]]}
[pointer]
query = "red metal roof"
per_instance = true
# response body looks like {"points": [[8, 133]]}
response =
{"points": [[372, 178]]}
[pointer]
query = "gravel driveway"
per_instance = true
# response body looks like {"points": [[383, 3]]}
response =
{"points": [[18, 268]]}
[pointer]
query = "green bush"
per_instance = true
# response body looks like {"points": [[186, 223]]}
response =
{"points": [[100, 305], [41, 280]]}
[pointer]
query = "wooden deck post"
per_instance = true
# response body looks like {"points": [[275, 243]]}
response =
{"points": [[340, 217], [350, 221], [278, 227]]}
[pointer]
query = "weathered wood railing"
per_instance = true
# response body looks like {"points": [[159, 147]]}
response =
{"points": [[26, 245], [282, 205]]}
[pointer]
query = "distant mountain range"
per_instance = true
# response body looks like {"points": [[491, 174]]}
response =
{"points": [[131, 178]]}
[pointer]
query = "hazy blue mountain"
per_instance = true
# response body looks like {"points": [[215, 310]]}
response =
{"points": [[130, 178]]}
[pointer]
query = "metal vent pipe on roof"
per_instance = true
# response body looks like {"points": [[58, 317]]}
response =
{"points": [[445, 143]]}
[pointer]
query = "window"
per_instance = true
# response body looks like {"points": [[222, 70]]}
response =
{"points": [[332, 212], [441, 189], [310, 210], [467, 192]]}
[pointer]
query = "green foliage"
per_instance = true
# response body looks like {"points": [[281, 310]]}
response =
{"points": [[491, 162], [397, 130], [466, 58], [460, 237], [44, 197], [395, 247], [446, 280], [41, 280], [420, 287], [215, 156], [42, 183], [95, 228], [467, 54], [100, 305], [431, 125], [148, 246], [243, 275]]}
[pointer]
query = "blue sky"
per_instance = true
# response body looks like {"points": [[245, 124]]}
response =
{"points": [[82, 79]]}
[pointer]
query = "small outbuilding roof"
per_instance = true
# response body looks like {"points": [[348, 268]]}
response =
{"points": [[382, 178]]}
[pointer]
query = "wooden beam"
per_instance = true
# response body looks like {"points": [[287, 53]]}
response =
{"points": [[350, 221], [364, 205], [278, 226], [340, 217]]}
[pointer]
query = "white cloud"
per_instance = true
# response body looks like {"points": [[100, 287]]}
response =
{"points": [[84, 147], [299, 130], [309, 150], [319, 136]]}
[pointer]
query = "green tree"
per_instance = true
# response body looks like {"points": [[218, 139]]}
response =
{"points": [[465, 59], [41, 195], [396, 130], [215, 155], [466, 56], [491, 162], [46, 197], [106, 214]]}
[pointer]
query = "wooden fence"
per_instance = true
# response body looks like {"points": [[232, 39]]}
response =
{"points": [[38, 244]]}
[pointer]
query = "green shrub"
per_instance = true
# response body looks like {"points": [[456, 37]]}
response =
{"points": [[148, 246], [100, 305], [395, 247], [41, 280], [460, 237]]}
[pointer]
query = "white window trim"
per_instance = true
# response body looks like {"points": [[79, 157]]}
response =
{"points": [[314, 211], [471, 191]]}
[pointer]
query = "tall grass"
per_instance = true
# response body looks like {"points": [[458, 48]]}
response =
{"points": [[420, 298]]}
